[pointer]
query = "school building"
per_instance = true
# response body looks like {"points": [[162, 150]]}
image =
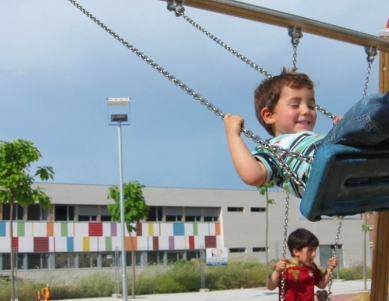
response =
{"points": [[76, 231]]}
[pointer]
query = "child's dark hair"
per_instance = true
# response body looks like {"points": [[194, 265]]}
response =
{"points": [[269, 90], [300, 239]]}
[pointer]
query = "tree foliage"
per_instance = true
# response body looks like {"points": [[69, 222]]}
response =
{"points": [[263, 189], [15, 181], [135, 207]]}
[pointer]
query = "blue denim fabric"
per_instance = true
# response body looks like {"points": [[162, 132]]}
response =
{"points": [[365, 124]]}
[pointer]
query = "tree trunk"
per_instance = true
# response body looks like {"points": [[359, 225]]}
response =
{"points": [[133, 268], [12, 250]]}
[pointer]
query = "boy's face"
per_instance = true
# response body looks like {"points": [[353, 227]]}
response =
{"points": [[295, 112], [305, 256]]}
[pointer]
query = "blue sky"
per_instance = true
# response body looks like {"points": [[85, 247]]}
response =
{"points": [[57, 68]]}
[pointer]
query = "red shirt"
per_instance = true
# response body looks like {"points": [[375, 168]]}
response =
{"points": [[300, 282]]}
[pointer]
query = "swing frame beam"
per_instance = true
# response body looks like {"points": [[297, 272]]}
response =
{"points": [[274, 17]]}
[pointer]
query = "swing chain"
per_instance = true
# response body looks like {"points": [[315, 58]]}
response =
{"points": [[145, 58], [275, 151], [285, 242], [296, 34], [221, 43], [371, 52], [278, 153], [325, 112], [334, 252]]}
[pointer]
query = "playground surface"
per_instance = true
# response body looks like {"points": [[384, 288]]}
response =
{"points": [[341, 291]]}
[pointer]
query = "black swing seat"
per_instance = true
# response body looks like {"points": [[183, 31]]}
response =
{"points": [[347, 180]]}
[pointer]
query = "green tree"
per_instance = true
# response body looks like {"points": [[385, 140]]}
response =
{"points": [[16, 183], [135, 211], [263, 190]]}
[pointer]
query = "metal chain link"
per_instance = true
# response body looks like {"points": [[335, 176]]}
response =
{"points": [[272, 149], [179, 11], [334, 252], [277, 152], [296, 34], [371, 53], [285, 242], [325, 112], [227, 47]]}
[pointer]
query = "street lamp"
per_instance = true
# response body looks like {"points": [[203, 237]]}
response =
{"points": [[118, 112]]}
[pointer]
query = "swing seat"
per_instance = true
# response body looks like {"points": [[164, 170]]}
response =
{"points": [[347, 180]]}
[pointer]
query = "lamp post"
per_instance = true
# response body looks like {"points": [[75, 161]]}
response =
{"points": [[118, 112]]}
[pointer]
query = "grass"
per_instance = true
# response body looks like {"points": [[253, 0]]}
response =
{"points": [[183, 276]]}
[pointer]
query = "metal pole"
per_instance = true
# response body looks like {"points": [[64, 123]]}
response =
{"points": [[124, 288]]}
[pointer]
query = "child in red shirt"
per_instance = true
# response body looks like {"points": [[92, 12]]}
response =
{"points": [[301, 273]]}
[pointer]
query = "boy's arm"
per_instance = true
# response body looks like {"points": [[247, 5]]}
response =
{"points": [[325, 278], [251, 171], [275, 277]]}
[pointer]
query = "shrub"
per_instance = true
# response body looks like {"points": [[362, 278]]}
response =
{"points": [[183, 276], [354, 272]]}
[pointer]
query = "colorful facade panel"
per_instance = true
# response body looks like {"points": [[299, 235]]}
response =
{"points": [[41, 244], [3, 229], [43, 237]]}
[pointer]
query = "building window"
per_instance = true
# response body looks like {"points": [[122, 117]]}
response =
{"points": [[37, 261], [18, 212], [87, 260], [105, 215], [18, 262], [64, 213], [65, 260], [138, 259], [5, 260], [193, 214], [259, 249], [235, 209], [155, 214], [173, 214], [155, 258], [172, 257], [192, 255], [258, 209], [237, 250], [108, 259], [87, 213], [211, 214], [36, 213]]}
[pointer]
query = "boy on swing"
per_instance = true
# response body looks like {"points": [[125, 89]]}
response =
{"points": [[301, 273], [285, 107]]}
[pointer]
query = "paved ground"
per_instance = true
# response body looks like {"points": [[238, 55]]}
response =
{"points": [[341, 291]]}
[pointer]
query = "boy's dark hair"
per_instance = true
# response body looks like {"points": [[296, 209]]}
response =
{"points": [[300, 239], [269, 90]]}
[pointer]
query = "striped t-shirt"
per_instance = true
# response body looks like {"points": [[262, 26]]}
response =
{"points": [[303, 143]]}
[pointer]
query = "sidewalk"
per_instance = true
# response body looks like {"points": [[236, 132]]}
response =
{"points": [[341, 291]]}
